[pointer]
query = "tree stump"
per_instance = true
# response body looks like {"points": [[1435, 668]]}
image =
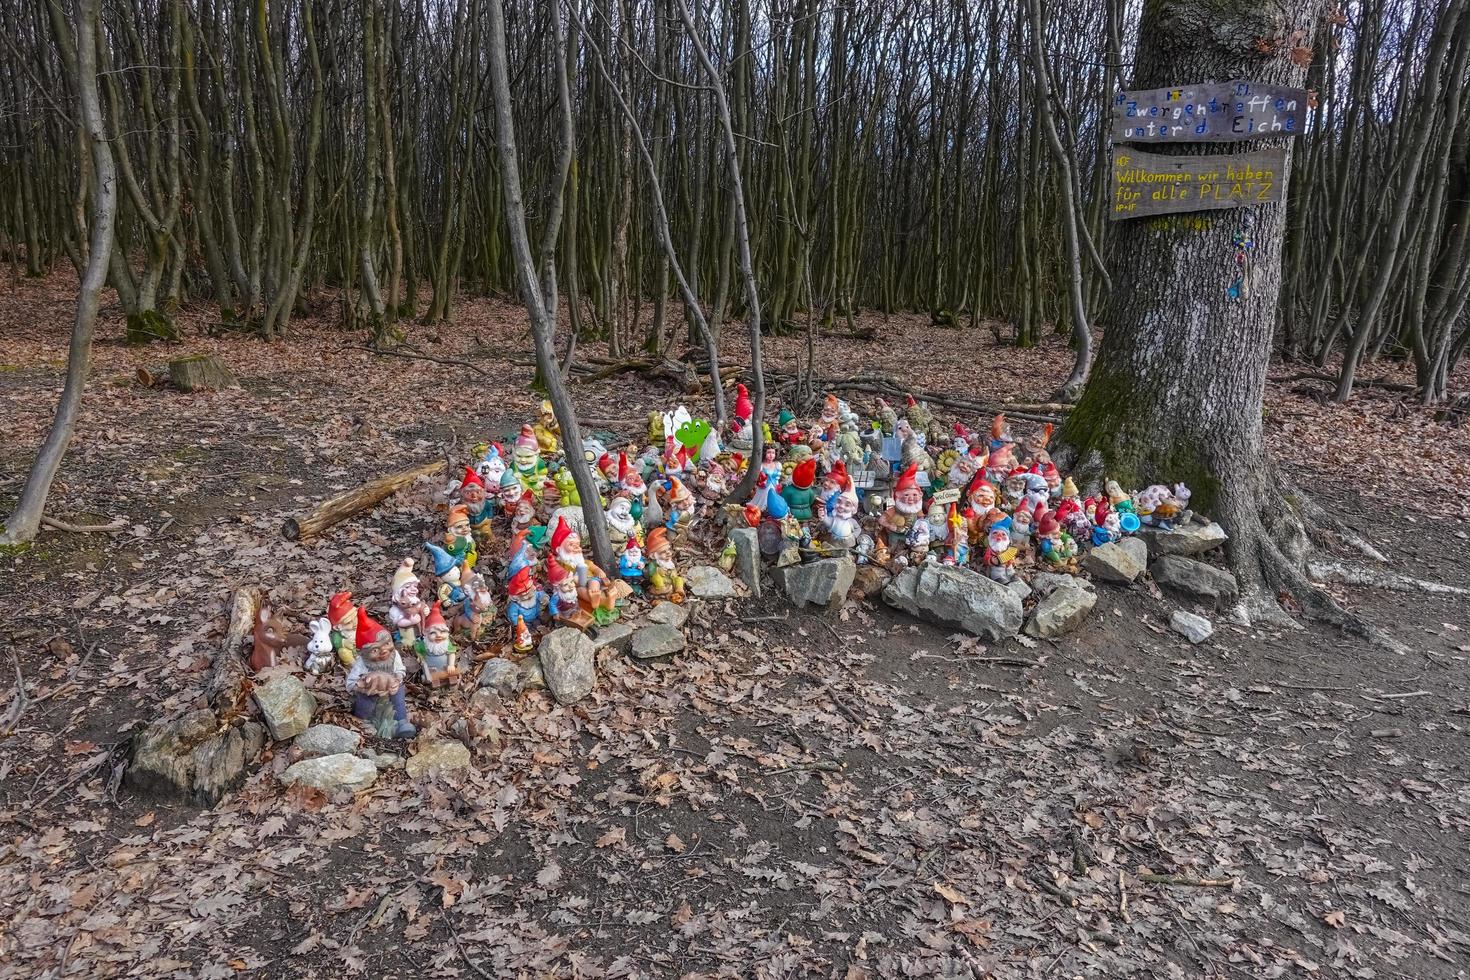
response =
{"points": [[202, 755], [201, 372], [149, 325]]}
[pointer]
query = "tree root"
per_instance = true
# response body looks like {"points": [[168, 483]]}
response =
{"points": [[1357, 575]]}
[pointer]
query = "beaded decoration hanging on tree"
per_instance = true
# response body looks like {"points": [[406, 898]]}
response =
{"points": [[1244, 242]]}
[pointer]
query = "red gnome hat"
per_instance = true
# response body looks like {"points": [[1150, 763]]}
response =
{"points": [[622, 467], [743, 408], [604, 463], [369, 631], [908, 480], [911, 402], [805, 474], [471, 478], [838, 473], [961, 431], [555, 572], [520, 581], [560, 535], [339, 607], [1046, 522], [435, 617]]}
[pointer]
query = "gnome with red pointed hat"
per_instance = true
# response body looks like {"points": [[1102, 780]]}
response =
{"points": [[593, 585], [524, 598], [906, 510], [565, 604], [475, 498], [342, 614], [436, 650], [798, 491], [376, 681], [741, 431]]}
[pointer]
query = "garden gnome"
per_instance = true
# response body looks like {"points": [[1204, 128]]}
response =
{"points": [[459, 540], [524, 514], [839, 518], [524, 600], [522, 554], [742, 433], [790, 428], [798, 492], [491, 470], [547, 431], [592, 582], [478, 508], [526, 461], [376, 681], [343, 616], [631, 566], [664, 580], [1055, 546], [566, 486], [408, 609], [565, 605], [621, 527], [679, 507], [918, 540], [469, 619], [436, 650], [1000, 557], [906, 510], [832, 484], [982, 511]]}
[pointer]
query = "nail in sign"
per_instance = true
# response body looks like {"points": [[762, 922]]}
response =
{"points": [[1209, 112]]}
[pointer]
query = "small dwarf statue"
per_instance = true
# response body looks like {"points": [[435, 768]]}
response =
{"points": [[525, 600], [1172, 508], [567, 487], [478, 509], [664, 580], [679, 507], [832, 484], [621, 526], [524, 514], [550, 495], [548, 432], [436, 650], [1000, 464], [1054, 546], [839, 519], [459, 540], [1000, 557], [982, 511], [526, 462], [565, 606], [343, 616], [1021, 526], [741, 431], [631, 482], [491, 470], [957, 541], [408, 609], [592, 582], [918, 542], [631, 566], [470, 617], [798, 493], [907, 510], [376, 681], [790, 428], [521, 640]]}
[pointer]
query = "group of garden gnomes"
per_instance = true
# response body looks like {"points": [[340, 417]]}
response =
{"points": [[960, 498]]}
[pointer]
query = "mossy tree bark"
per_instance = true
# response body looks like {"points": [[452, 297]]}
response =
{"points": [[1176, 393]]}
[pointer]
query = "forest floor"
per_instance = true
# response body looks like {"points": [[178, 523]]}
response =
{"points": [[863, 796]]}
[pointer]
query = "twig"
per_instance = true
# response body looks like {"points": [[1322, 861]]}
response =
{"points": [[18, 703], [1123, 900], [56, 525], [449, 921], [395, 352], [1188, 882], [1407, 694]]}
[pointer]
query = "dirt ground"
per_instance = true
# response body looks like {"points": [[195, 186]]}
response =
{"points": [[864, 796]]}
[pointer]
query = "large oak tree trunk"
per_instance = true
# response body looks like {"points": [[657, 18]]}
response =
{"points": [[1176, 392]]}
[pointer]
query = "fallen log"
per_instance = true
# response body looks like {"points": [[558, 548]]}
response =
{"points": [[203, 754], [354, 501]]}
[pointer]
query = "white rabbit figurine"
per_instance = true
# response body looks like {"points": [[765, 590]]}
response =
{"points": [[319, 647]]}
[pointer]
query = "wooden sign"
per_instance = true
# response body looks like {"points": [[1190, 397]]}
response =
{"points": [[1151, 183], [1210, 112]]}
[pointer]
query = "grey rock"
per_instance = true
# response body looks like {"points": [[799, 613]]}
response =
{"points": [[822, 584], [616, 636], [1020, 588], [958, 597], [748, 558], [1138, 549], [870, 580], [1205, 584], [1195, 629], [1112, 562], [1062, 611], [383, 760], [1045, 583], [327, 740], [569, 664], [444, 756], [501, 676], [341, 773], [708, 582], [674, 614], [1186, 539], [532, 677], [658, 640], [286, 705]]}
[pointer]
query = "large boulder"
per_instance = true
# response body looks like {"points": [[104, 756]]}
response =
{"points": [[188, 758], [443, 756], [658, 640], [1062, 611], [822, 584], [569, 664], [748, 558], [327, 740], [957, 597], [708, 582], [286, 705], [1114, 563], [1205, 584], [1187, 539], [341, 773]]}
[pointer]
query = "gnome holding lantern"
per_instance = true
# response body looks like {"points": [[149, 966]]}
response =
{"points": [[593, 584], [408, 609], [906, 510], [376, 681], [436, 650]]}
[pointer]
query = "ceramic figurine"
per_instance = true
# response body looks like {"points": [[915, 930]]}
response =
{"points": [[798, 493], [566, 486], [1000, 464], [524, 514], [1174, 507], [436, 650], [664, 580], [1055, 546], [716, 485], [832, 484], [1069, 492], [790, 428], [521, 554], [1106, 525], [524, 599], [607, 469], [1022, 526], [1117, 499], [272, 635], [592, 582], [408, 609], [478, 609], [957, 540], [981, 512], [1000, 557], [526, 463], [1000, 433], [621, 527], [679, 507], [319, 648], [887, 418], [1035, 444], [906, 510], [839, 517], [631, 481], [343, 615], [965, 467], [1038, 493], [742, 433], [565, 606], [548, 432], [459, 540], [631, 566], [476, 501], [1145, 500], [521, 640], [550, 497], [376, 681]]}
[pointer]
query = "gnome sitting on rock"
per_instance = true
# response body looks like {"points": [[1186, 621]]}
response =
{"points": [[376, 681]]}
